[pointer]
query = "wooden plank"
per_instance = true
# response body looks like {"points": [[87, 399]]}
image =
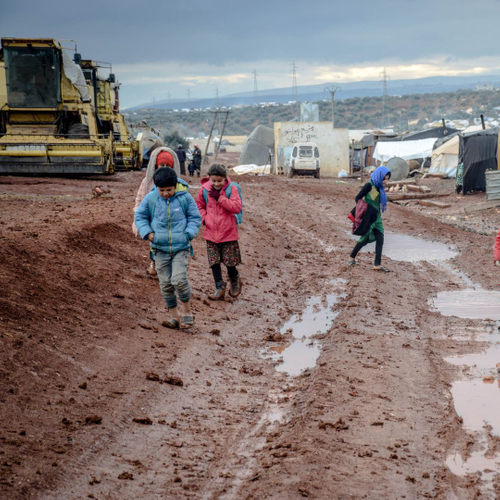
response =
{"points": [[404, 181], [413, 196], [436, 204]]}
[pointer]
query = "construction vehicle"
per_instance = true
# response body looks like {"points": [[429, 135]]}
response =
{"points": [[127, 152], [48, 123]]}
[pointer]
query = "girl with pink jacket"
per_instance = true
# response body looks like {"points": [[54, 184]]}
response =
{"points": [[218, 202]]}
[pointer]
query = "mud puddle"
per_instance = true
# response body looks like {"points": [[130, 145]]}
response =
{"points": [[316, 319], [469, 303], [477, 398], [404, 248]]}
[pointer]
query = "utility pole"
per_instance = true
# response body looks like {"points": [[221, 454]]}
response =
{"points": [[255, 89], [189, 97], [332, 91], [384, 76], [217, 103], [294, 89]]}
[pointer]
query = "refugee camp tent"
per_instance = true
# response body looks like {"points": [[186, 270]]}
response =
{"points": [[477, 153], [444, 158], [258, 146], [408, 150]]}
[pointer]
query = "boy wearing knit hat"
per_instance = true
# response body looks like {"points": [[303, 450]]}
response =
{"points": [[169, 219]]}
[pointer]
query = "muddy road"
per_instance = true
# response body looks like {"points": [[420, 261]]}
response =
{"points": [[319, 381]]}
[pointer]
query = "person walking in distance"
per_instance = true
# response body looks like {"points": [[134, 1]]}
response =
{"points": [[197, 159], [374, 195], [169, 219], [219, 202], [181, 154]]}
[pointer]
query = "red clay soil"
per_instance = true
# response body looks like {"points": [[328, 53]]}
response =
{"points": [[98, 400]]}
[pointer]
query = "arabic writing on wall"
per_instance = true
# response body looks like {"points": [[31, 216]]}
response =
{"points": [[299, 134]]}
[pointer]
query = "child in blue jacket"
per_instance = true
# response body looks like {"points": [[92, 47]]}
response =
{"points": [[169, 219]]}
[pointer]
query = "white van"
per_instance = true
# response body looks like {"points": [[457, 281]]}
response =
{"points": [[304, 160]]}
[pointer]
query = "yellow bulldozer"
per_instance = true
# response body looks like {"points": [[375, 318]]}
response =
{"points": [[127, 152], [48, 122]]}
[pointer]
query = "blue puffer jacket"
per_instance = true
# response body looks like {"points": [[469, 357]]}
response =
{"points": [[174, 223]]}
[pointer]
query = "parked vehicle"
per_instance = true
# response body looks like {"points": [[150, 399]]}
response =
{"points": [[304, 160], [48, 123]]}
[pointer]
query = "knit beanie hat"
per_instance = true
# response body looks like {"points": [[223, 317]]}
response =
{"points": [[165, 158]]}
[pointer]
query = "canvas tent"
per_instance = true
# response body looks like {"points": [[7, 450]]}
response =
{"points": [[444, 159], [258, 146], [408, 150], [477, 153]]}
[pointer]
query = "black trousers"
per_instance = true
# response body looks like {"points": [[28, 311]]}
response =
{"points": [[379, 238], [182, 165], [217, 272]]}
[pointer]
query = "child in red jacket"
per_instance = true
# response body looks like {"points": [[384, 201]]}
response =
{"points": [[218, 202], [497, 249]]}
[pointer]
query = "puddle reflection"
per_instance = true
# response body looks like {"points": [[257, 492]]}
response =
{"points": [[404, 248], [478, 403], [315, 318], [298, 357], [473, 304]]}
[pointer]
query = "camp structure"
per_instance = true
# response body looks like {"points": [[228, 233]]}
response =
{"points": [[477, 154], [444, 158], [258, 146]]}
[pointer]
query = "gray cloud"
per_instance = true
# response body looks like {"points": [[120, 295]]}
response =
{"points": [[223, 33]]}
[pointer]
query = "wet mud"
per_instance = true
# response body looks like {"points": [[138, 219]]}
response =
{"points": [[319, 381]]}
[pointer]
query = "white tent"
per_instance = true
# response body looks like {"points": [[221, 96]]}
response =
{"points": [[444, 159], [408, 150]]}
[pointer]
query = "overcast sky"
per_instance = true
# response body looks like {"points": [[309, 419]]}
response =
{"points": [[160, 47]]}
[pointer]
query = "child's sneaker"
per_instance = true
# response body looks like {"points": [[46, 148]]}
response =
{"points": [[235, 289], [152, 269], [220, 291]]}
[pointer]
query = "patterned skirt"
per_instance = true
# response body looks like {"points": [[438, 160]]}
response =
{"points": [[228, 253]]}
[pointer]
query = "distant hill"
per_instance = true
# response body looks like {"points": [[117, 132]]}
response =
{"points": [[312, 93], [411, 111]]}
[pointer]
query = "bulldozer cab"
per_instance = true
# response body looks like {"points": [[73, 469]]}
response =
{"points": [[32, 76]]}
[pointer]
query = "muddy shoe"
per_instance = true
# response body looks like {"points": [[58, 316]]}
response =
{"points": [[152, 269], [381, 269], [351, 263], [235, 289], [219, 293]]}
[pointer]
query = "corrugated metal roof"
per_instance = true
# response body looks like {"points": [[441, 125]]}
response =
{"points": [[493, 184]]}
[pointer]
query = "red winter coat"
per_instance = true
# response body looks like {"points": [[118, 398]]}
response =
{"points": [[497, 246], [218, 216]]}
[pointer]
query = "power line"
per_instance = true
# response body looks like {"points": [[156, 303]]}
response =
{"points": [[294, 89], [332, 89], [255, 88], [384, 94]]}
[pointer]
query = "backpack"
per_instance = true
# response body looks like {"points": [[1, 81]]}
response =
{"points": [[239, 215]]}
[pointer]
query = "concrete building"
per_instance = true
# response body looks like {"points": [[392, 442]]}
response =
{"points": [[333, 145]]}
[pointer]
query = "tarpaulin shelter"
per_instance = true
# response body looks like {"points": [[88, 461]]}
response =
{"points": [[408, 150], [444, 158], [477, 153], [258, 146]]}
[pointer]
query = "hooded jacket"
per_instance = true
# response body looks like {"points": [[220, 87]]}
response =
{"points": [[147, 183], [173, 228], [218, 216]]}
